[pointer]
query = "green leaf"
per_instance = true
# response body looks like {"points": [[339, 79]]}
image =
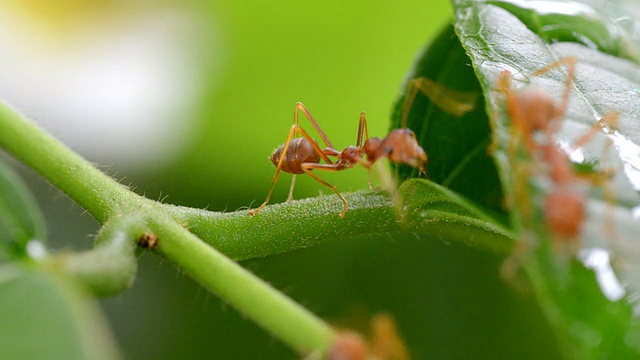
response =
{"points": [[430, 209], [456, 146], [590, 320], [48, 317], [568, 21], [20, 218], [110, 267]]}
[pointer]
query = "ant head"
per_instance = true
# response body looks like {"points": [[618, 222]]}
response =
{"points": [[402, 147]]}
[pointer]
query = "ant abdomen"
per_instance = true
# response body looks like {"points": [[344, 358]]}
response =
{"points": [[564, 213], [300, 151]]}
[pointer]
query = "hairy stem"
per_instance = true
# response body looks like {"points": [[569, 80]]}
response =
{"points": [[110, 267], [249, 294], [100, 195], [105, 199]]}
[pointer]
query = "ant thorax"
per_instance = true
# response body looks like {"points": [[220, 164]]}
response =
{"points": [[351, 155]]}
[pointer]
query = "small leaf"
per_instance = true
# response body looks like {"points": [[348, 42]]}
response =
{"points": [[456, 146], [48, 317], [110, 267], [20, 218]]}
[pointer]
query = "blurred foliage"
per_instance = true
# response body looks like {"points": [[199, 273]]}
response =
{"points": [[339, 59], [20, 218], [44, 314], [578, 303], [50, 317], [461, 161]]}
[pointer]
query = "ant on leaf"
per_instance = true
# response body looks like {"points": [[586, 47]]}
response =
{"points": [[302, 155], [532, 110]]}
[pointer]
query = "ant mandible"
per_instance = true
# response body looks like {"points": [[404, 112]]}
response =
{"points": [[302, 155]]}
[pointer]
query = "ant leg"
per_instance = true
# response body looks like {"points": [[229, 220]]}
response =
{"points": [[504, 86], [453, 102], [293, 133], [363, 135], [301, 107], [293, 183], [367, 165], [278, 168], [308, 167], [362, 130], [324, 154], [369, 180], [608, 121], [523, 201], [570, 63], [409, 97], [514, 261], [331, 152], [424, 171], [517, 119]]}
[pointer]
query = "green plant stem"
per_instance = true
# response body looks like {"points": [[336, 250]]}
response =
{"points": [[280, 228], [89, 187], [110, 267], [249, 294], [277, 229], [104, 198]]}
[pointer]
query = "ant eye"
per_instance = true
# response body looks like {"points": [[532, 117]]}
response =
{"points": [[388, 150]]}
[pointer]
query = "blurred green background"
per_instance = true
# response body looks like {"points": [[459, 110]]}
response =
{"points": [[202, 112], [338, 58]]}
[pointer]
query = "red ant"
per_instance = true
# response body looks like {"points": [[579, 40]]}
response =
{"points": [[532, 110], [300, 155], [385, 342]]}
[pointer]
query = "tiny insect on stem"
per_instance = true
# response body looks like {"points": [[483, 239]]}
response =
{"points": [[302, 155]]}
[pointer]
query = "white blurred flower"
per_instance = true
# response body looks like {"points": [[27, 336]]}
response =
{"points": [[118, 86]]}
